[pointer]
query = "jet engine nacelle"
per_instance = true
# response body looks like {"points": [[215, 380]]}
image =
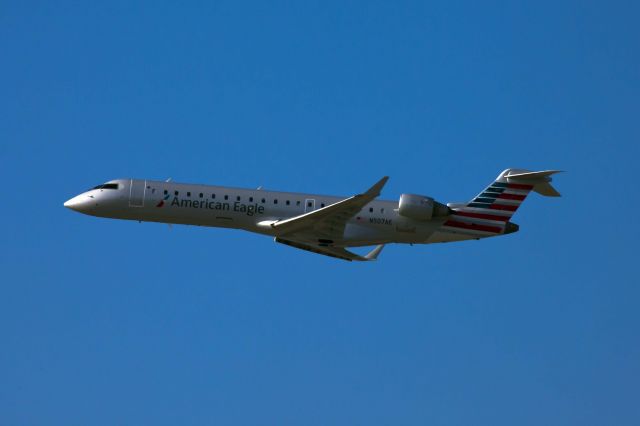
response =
{"points": [[419, 207]]}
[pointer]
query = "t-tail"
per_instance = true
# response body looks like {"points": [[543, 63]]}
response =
{"points": [[490, 212]]}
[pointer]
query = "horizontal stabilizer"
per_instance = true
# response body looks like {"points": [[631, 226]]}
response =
{"points": [[532, 175], [539, 180]]}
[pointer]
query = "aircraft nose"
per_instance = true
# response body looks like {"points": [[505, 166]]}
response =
{"points": [[80, 203]]}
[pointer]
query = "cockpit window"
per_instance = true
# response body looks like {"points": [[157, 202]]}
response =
{"points": [[107, 186]]}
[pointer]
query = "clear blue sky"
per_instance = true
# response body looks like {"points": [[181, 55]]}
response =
{"points": [[107, 322]]}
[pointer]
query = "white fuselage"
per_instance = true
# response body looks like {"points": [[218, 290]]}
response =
{"points": [[252, 210]]}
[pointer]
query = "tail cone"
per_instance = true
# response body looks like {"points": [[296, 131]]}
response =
{"points": [[510, 228]]}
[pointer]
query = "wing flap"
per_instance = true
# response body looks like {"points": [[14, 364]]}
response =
{"points": [[337, 252], [332, 218]]}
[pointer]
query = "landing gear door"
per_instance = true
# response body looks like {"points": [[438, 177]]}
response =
{"points": [[309, 205], [137, 191]]}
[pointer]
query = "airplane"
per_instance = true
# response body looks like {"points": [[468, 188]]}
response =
{"points": [[321, 224]]}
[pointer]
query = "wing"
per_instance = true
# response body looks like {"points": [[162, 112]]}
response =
{"points": [[329, 221], [337, 252]]}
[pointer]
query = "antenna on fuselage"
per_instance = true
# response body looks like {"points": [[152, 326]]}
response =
{"points": [[168, 180], [259, 188]]}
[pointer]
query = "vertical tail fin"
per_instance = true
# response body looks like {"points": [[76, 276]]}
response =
{"points": [[510, 189], [490, 211]]}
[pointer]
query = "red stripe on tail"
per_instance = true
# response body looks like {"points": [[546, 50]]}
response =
{"points": [[503, 207], [519, 186], [481, 216], [512, 197], [473, 226]]}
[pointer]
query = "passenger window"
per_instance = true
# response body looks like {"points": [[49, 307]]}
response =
{"points": [[287, 202], [251, 199], [201, 195], [213, 195], [275, 201], [238, 198], [298, 203], [381, 210], [226, 197], [176, 193], [262, 201], [166, 192], [322, 205], [370, 209], [188, 194], [309, 204]]}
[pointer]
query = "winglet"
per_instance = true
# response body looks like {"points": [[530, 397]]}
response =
{"points": [[374, 191], [373, 254]]}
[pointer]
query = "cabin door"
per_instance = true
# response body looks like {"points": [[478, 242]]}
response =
{"points": [[137, 191]]}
